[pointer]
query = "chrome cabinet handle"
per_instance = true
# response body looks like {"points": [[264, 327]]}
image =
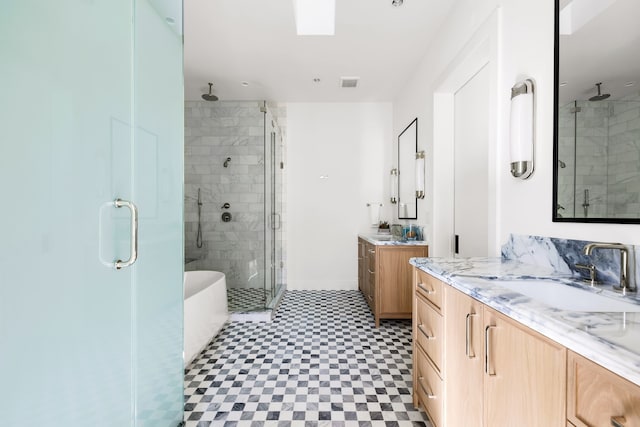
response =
{"points": [[371, 272], [428, 291], [372, 251], [427, 336], [487, 350], [424, 389], [618, 421], [119, 203], [468, 336]]}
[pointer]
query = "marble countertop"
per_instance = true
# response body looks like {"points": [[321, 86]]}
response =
{"points": [[611, 339], [387, 240]]}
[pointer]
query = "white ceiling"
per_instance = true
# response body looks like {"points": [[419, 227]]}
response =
{"points": [[604, 50], [231, 41]]}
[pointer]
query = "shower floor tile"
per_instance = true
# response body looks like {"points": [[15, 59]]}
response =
{"points": [[245, 299], [319, 362]]}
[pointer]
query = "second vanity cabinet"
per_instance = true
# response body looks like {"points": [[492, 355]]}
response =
{"points": [[598, 397], [385, 278], [474, 366]]}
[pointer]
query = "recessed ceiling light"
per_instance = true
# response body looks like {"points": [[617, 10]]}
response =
{"points": [[315, 18], [170, 20], [629, 84], [244, 84]]}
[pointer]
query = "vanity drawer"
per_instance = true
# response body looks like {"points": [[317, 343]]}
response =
{"points": [[429, 328], [597, 396], [429, 388], [429, 287]]}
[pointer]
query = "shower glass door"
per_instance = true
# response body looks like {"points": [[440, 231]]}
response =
{"points": [[91, 111], [273, 208], [279, 208]]}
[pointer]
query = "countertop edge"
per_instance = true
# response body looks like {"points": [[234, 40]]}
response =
{"points": [[373, 241]]}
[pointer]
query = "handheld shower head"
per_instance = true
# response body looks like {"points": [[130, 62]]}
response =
{"points": [[226, 162], [209, 96]]}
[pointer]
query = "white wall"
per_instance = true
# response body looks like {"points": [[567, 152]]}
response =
{"points": [[350, 143], [525, 49]]}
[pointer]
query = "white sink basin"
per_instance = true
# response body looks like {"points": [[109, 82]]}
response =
{"points": [[569, 298], [381, 236]]}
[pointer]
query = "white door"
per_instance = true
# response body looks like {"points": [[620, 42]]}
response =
{"points": [[471, 175]]}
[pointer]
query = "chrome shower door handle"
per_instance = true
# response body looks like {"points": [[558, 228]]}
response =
{"points": [[275, 225], [119, 203]]}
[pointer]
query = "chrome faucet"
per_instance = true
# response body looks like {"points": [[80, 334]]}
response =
{"points": [[625, 285]]}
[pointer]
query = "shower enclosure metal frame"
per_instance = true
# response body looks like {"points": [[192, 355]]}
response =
{"points": [[273, 190]]}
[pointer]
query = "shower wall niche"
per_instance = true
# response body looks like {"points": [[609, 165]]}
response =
{"points": [[234, 153], [599, 159]]}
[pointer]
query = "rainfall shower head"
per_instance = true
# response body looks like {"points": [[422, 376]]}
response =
{"points": [[209, 96], [600, 96]]}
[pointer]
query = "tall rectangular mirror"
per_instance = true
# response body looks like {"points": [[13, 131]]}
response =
{"points": [[407, 148], [597, 111]]}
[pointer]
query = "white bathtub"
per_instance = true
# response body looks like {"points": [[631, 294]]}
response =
{"points": [[205, 310]]}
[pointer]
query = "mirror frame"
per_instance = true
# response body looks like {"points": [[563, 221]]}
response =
{"points": [[556, 90], [413, 123]]}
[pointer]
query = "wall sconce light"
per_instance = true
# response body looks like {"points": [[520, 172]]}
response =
{"points": [[374, 213], [521, 129], [420, 175], [394, 185]]}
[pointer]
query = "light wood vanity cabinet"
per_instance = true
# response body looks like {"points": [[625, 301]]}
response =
{"points": [[598, 397], [385, 278], [525, 377], [485, 369], [464, 359], [361, 266]]}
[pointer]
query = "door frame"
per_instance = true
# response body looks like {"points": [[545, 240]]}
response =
{"points": [[482, 50]]}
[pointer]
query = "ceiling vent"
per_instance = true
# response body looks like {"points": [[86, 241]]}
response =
{"points": [[349, 81]]}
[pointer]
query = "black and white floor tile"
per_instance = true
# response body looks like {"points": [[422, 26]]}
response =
{"points": [[245, 299], [320, 362]]}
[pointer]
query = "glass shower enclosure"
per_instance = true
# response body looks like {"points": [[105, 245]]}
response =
{"points": [[234, 159], [598, 158]]}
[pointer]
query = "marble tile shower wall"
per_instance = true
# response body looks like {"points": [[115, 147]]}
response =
{"points": [[215, 131], [607, 154], [591, 143], [623, 186], [566, 163]]}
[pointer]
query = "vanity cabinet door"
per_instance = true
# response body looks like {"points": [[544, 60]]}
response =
{"points": [[370, 254], [524, 375], [597, 396], [395, 278], [361, 266], [463, 353]]}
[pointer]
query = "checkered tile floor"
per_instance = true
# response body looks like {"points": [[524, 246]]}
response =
{"points": [[245, 299], [320, 362]]}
